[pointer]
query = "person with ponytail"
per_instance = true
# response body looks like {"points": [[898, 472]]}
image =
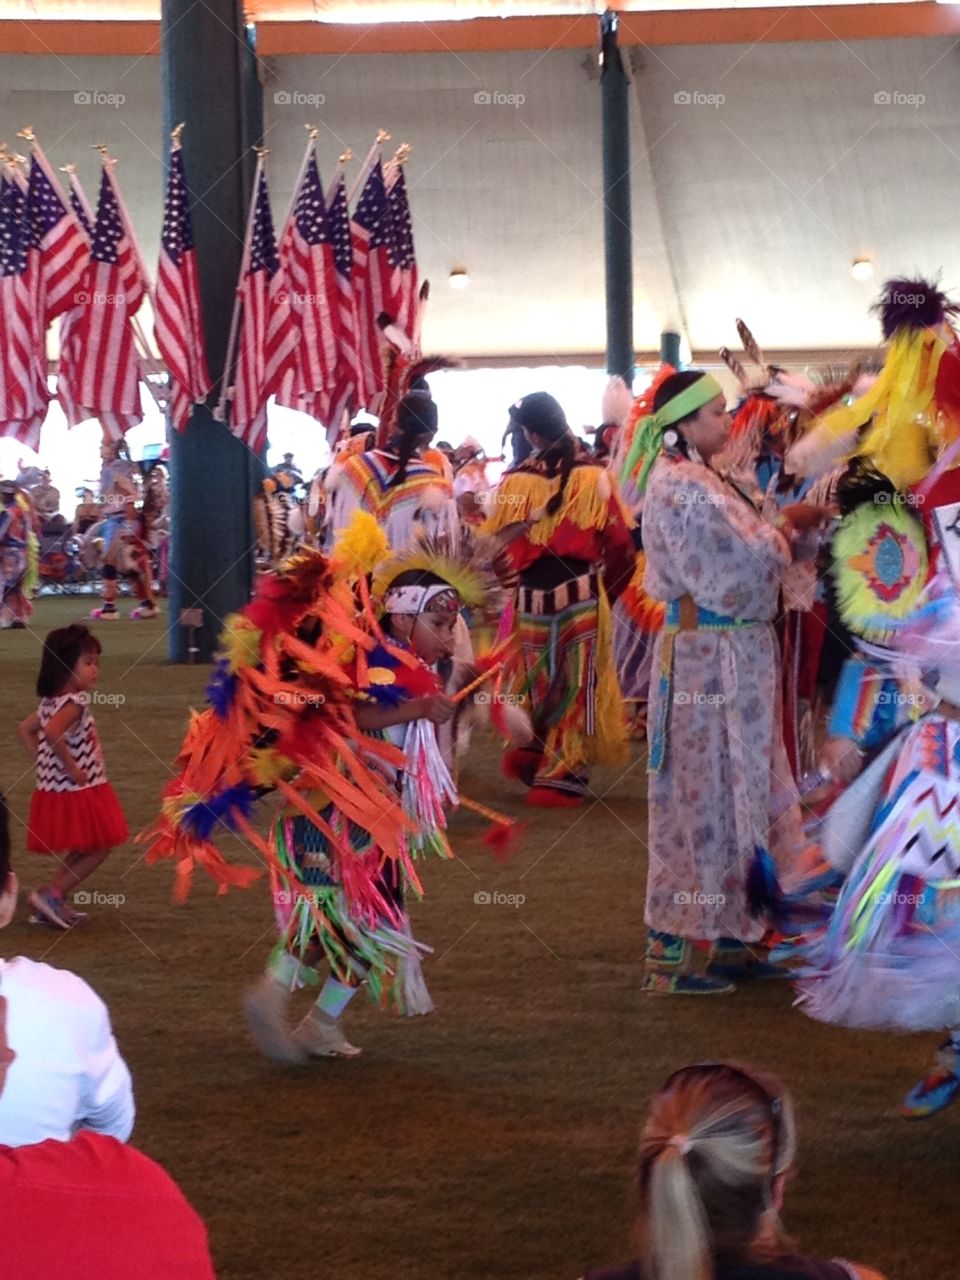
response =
{"points": [[407, 491], [720, 787], [715, 1155], [567, 547]]}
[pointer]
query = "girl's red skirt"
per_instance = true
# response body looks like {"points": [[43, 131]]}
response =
{"points": [[83, 821]]}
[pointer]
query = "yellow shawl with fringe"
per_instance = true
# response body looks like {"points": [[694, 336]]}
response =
{"points": [[522, 496]]}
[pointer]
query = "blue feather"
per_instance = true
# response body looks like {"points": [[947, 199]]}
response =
{"points": [[224, 807], [222, 688], [763, 891]]}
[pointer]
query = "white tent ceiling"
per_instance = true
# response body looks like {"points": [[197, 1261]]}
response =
{"points": [[759, 173]]}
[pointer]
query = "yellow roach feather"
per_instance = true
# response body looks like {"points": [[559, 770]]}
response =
{"points": [[361, 546], [174, 807], [467, 583], [266, 767], [240, 642]]}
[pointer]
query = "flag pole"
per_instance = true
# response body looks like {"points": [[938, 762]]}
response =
{"points": [[365, 168], [12, 166], [29, 136], [392, 167], [226, 391], [423, 298]]}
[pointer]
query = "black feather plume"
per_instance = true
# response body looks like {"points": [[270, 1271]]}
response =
{"points": [[861, 483], [912, 304]]}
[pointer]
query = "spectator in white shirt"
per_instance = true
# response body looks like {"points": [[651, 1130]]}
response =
{"points": [[66, 1073]]}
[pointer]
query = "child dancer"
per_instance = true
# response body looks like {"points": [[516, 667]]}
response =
{"points": [[74, 814], [403, 704], [318, 700]]}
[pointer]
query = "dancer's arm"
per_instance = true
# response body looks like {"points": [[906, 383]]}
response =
{"points": [[436, 707], [28, 731]]}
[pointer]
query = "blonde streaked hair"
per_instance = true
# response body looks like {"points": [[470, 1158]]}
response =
{"points": [[717, 1136]]}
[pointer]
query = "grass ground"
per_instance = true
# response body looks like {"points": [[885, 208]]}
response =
{"points": [[495, 1138]]}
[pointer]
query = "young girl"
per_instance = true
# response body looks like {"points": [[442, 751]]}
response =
{"points": [[371, 944], [715, 1155], [74, 814]]}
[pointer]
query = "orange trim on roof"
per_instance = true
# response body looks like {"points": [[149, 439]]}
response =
{"points": [[775, 25], [130, 39]]}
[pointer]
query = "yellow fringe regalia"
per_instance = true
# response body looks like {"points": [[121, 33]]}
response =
{"points": [[911, 413], [565, 669]]}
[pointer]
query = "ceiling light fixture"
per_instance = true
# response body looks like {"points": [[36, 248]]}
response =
{"points": [[861, 269], [459, 278]]}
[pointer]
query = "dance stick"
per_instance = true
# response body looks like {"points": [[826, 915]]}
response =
{"points": [[492, 815], [475, 684]]}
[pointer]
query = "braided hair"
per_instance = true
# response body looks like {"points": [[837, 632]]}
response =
{"points": [[416, 417], [560, 458], [541, 415]]}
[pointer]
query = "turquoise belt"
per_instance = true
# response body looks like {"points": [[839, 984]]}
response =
{"points": [[681, 615]]}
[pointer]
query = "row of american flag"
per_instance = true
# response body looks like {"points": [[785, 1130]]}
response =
{"points": [[314, 308]]}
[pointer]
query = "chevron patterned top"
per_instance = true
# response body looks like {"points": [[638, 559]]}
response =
{"points": [[82, 741]]}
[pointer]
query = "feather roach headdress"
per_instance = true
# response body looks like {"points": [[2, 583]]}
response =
{"points": [[402, 372], [910, 416]]}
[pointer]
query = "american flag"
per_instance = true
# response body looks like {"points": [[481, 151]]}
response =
{"points": [[108, 370], [179, 323], [80, 208], [374, 288], [70, 324], [344, 396], [306, 256], [22, 410], [57, 240], [268, 339], [402, 254]]}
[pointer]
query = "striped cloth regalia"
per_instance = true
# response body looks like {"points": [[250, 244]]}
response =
{"points": [[565, 672]]}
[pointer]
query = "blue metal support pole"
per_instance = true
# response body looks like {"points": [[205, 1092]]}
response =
{"points": [[670, 349], [210, 83], [618, 257]]}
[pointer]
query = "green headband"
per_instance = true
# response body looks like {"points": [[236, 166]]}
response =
{"points": [[648, 436], [688, 401]]}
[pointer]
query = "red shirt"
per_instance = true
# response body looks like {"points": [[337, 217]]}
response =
{"points": [[95, 1209]]}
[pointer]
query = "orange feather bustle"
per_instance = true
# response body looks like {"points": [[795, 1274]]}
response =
{"points": [[283, 719]]}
